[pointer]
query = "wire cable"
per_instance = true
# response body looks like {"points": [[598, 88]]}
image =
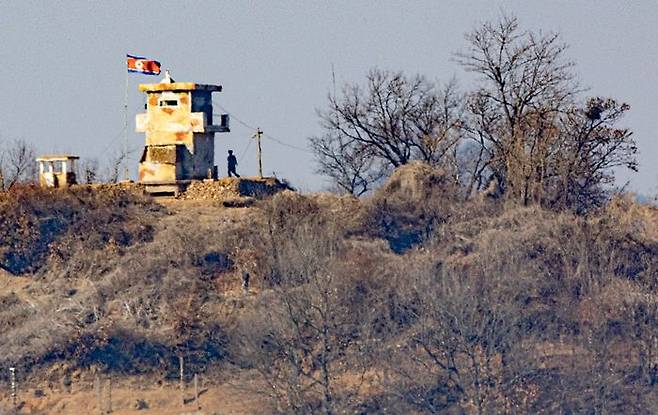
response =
{"points": [[266, 135], [245, 150], [276, 140], [113, 141], [234, 116]]}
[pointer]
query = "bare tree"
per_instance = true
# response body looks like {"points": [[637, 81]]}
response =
{"points": [[17, 163], [526, 82], [299, 343], [393, 120], [457, 349], [588, 148], [89, 170], [350, 165], [304, 327], [525, 120], [112, 171]]}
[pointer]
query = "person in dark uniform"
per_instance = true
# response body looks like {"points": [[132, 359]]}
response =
{"points": [[232, 163]]}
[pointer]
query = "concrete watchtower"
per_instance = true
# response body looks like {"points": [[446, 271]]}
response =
{"points": [[179, 129]]}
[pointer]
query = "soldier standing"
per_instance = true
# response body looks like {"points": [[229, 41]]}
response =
{"points": [[232, 163]]}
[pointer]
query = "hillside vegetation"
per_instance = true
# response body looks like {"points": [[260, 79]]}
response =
{"points": [[409, 301]]}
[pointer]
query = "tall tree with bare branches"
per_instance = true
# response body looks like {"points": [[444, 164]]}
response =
{"points": [[393, 120], [533, 135], [308, 322], [589, 147], [17, 163]]}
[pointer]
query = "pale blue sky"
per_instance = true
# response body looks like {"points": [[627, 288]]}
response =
{"points": [[62, 64]]}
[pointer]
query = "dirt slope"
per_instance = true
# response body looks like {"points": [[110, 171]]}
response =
{"points": [[79, 396], [127, 397]]}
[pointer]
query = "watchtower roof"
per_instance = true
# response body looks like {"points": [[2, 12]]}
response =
{"points": [[57, 157]]}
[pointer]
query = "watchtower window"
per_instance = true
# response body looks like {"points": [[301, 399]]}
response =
{"points": [[168, 103]]}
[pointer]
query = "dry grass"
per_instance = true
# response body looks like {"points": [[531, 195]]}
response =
{"points": [[411, 266]]}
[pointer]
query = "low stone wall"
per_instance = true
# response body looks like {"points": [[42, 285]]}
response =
{"points": [[233, 187]]}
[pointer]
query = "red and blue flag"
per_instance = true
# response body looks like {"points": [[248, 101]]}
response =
{"points": [[143, 65]]}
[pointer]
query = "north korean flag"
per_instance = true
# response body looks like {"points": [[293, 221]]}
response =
{"points": [[143, 65]]}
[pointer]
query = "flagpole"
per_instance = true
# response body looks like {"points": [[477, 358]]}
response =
{"points": [[125, 128]]}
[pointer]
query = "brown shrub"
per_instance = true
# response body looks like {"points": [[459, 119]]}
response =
{"points": [[410, 206], [481, 308], [37, 223]]}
